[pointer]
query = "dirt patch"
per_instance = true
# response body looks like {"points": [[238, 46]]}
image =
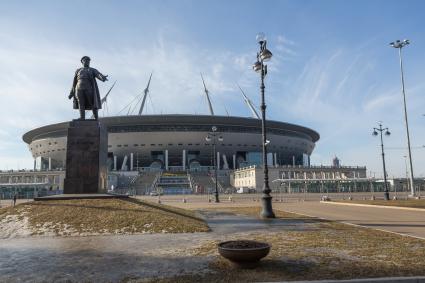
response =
{"points": [[95, 217]]}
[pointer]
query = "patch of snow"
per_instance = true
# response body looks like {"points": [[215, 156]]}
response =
{"points": [[13, 226]]}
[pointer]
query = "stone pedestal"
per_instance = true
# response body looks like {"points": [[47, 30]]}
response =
{"points": [[86, 158]]}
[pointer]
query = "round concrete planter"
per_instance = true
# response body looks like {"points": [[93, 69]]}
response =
{"points": [[244, 253]]}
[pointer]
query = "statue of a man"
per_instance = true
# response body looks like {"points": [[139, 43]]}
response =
{"points": [[85, 90]]}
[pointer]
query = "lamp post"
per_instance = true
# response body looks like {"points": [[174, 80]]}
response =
{"points": [[214, 136], [263, 56], [400, 44], [387, 133]]}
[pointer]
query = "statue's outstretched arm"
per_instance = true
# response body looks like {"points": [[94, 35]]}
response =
{"points": [[101, 77]]}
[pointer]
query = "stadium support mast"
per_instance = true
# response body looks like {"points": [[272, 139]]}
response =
{"points": [[250, 105], [105, 98], [146, 91], [208, 97]]}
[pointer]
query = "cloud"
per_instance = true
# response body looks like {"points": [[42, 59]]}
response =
{"points": [[342, 97], [284, 40], [382, 101]]}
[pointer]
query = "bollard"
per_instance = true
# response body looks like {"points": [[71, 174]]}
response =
{"points": [[184, 200], [372, 198]]}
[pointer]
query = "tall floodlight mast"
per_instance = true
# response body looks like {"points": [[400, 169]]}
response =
{"points": [[146, 91], [250, 105], [208, 96], [399, 45]]}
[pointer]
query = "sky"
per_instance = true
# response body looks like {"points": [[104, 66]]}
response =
{"points": [[332, 68]]}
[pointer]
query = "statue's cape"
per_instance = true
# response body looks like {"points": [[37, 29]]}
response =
{"points": [[96, 104]]}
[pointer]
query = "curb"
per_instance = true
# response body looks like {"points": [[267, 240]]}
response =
{"points": [[418, 279], [372, 205]]}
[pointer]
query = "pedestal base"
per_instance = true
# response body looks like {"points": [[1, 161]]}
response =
{"points": [[86, 158]]}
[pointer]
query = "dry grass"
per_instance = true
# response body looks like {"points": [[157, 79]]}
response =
{"points": [[415, 203], [327, 250], [104, 216]]}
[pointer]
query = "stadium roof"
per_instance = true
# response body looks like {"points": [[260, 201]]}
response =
{"points": [[175, 122]]}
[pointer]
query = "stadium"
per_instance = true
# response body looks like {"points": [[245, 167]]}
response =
{"points": [[176, 154], [178, 142]]}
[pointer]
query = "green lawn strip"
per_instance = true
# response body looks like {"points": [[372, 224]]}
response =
{"points": [[413, 203], [325, 250], [88, 216]]}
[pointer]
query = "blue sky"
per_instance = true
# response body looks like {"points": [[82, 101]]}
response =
{"points": [[332, 69]]}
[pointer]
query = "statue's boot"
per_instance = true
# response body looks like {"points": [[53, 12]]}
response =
{"points": [[95, 114], [82, 114]]}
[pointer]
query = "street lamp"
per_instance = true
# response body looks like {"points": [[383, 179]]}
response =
{"points": [[214, 136], [263, 56], [387, 133], [400, 44]]}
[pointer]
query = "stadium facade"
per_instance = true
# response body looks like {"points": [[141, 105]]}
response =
{"points": [[178, 142]]}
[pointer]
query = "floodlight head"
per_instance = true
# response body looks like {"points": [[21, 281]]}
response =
{"points": [[399, 43], [375, 133], [267, 142], [387, 133], [214, 128], [396, 44], [220, 138], [208, 138]]}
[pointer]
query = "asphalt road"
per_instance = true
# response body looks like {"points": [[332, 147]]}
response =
{"points": [[395, 220]]}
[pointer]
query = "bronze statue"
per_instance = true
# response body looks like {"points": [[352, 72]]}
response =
{"points": [[84, 89]]}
